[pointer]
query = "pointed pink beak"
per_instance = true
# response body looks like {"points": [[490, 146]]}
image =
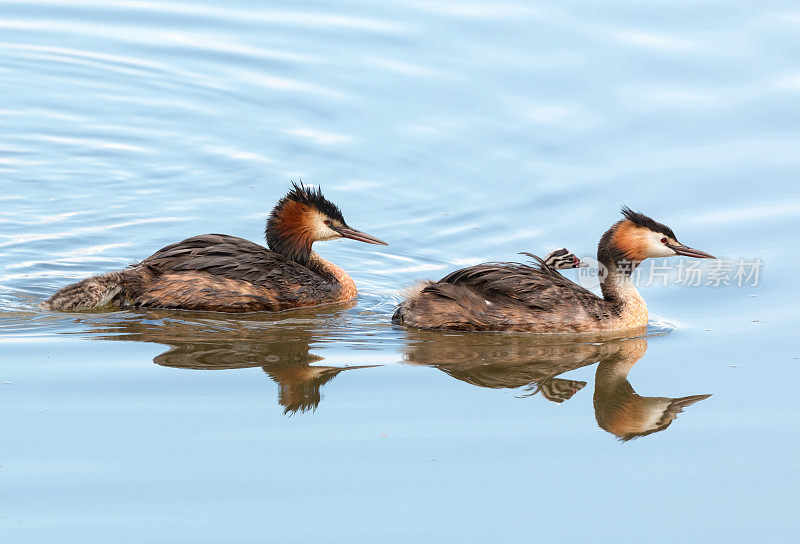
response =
{"points": [[354, 234]]}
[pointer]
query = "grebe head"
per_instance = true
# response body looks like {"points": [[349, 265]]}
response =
{"points": [[638, 237], [563, 259], [303, 217]]}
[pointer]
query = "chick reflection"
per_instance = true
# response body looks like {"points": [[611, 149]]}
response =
{"points": [[196, 342], [504, 361]]}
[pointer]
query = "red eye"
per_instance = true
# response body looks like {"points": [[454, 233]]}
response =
{"points": [[664, 240], [328, 222]]}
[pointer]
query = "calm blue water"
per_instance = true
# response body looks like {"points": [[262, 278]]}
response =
{"points": [[459, 132]]}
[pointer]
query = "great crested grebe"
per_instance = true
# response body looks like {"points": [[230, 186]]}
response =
{"points": [[518, 297], [216, 272]]}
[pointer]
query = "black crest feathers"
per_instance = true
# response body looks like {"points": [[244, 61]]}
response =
{"points": [[642, 220], [313, 197]]}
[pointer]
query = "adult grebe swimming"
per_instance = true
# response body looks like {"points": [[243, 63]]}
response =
{"points": [[216, 272], [517, 297]]}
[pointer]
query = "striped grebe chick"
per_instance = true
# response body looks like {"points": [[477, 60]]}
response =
{"points": [[559, 259], [518, 297], [216, 272]]}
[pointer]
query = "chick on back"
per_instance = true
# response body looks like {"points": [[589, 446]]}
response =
{"points": [[560, 259]]}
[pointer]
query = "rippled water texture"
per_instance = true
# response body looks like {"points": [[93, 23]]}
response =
{"points": [[459, 132]]}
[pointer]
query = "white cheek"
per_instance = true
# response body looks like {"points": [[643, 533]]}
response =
{"points": [[327, 234], [656, 248], [663, 251], [323, 232]]}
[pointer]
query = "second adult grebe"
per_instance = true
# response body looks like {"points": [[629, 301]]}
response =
{"points": [[216, 272], [518, 297]]}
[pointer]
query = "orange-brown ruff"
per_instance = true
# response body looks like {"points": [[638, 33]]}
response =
{"points": [[520, 297], [216, 272]]}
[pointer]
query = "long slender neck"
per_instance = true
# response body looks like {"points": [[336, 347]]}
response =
{"points": [[299, 251], [288, 238], [293, 240], [291, 249], [617, 285], [323, 267], [335, 274]]}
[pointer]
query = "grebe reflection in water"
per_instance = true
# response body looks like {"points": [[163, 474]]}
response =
{"points": [[282, 351], [516, 361]]}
